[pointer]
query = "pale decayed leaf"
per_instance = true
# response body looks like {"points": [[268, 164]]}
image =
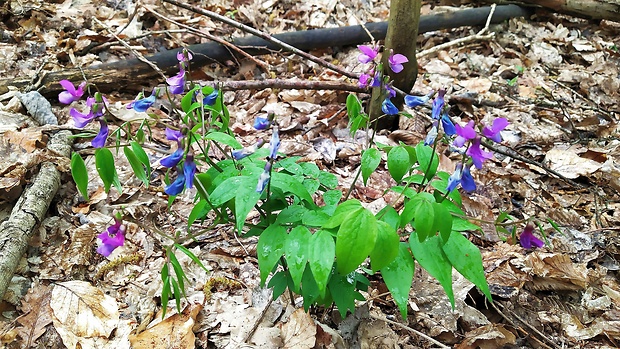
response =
{"points": [[82, 311], [37, 314], [173, 332], [299, 332]]}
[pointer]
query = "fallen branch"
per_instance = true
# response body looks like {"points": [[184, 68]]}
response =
{"points": [[594, 9], [131, 73]]}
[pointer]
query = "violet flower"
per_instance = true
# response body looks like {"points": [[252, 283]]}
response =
{"points": [[211, 98], [111, 238], [142, 104], [493, 133], [95, 110], [438, 104], [70, 94], [368, 53], [189, 170], [173, 135], [177, 82], [388, 108], [455, 178], [365, 80], [261, 123], [262, 182], [478, 155], [396, 61], [415, 101], [464, 134], [183, 59], [527, 238], [102, 136], [390, 91], [467, 181], [176, 187]]}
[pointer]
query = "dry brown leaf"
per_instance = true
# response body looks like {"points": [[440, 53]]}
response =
{"points": [[555, 271], [299, 332], [173, 332], [490, 336], [83, 314], [29, 139], [565, 160], [37, 314]]}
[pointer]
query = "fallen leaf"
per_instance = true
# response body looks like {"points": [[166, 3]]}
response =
{"points": [[37, 314], [299, 332], [173, 332]]}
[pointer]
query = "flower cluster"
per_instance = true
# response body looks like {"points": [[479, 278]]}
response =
{"points": [[373, 77], [186, 172], [112, 238], [464, 139], [96, 109]]}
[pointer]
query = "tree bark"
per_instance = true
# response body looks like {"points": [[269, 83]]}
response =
{"points": [[594, 9]]}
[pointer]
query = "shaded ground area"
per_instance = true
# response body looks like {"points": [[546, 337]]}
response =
{"points": [[556, 78]]}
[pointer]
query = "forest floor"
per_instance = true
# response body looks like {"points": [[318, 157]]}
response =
{"points": [[554, 77]]}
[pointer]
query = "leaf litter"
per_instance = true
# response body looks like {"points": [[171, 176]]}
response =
{"points": [[554, 77]]}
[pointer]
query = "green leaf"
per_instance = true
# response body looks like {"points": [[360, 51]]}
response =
{"points": [[460, 224], [186, 101], [165, 290], [341, 212], [428, 160], [332, 197], [224, 138], [177, 293], [355, 240], [329, 180], [178, 271], [321, 253], [398, 163], [371, 158], [443, 221], [136, 165], [141, 154], [289, 184], [424, 219], [291, 214], [191, 256], [390, 216], [296, 251], [361, 121], [354, 106], [466, 259], [79, 174], [245, 199], [203, 183], [398, 276], [223, 193], [269, 249], [104, 161], [343, 292], [310, 290], [279, 283], [310, 169], [315, 218], [199, 211], [432, 258], [386, 246]]}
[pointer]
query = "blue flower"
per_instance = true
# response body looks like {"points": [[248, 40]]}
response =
{"points": [[173, 135], [189, 170], [448, 126], [211, 98], [455, 178], [438, 104], [467, 181], [102, 136], [173, 159], [111, 238], [261, 123], [274, 144], [415, 101], [141, 105], [247, 151], [432, 134], [388, 108], [176, 187], [262, 181]]}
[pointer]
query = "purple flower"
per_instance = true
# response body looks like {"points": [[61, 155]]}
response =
{"points": [[455, 178], [262, 181], [70, 94], [432, 134], [365, 80], [368, 53], [527, 238], [95, 110], [464, 134], [274, 144], [102, 136], [493, 133], [261, 123], [467, 181], [111, 238], [181, 56], [173, 159], [173, 135], [396, 61], [448, 126], [211, 98], [414, 101], [438, 104], [390, 91], [142, 104], [388, 108], [176, 187], [478, 155], [189, 170], [177, 82]]}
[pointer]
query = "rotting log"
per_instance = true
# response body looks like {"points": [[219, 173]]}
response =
{"points": [[593, 9], [131, 74], [29, 211]]}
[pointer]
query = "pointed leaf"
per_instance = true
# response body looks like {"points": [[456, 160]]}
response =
{"points": [[79, 174], [343, 210], [443, 221], [466, 259], [355, 240], [398, 163], [371, 158], [398, 276], [432, 258], [428, 160], [295, 249], [224, 138], [386, 246], [141, 154], [136, 165], [424, 220], [321, 253], [104, 161], [269, 249]]}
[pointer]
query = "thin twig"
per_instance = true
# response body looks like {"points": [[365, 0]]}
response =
{"points": [[249, 335], [225, 43], [475, 37], [285, 84], [430, 339], [138, 55], [542, 335], [266, 37]]}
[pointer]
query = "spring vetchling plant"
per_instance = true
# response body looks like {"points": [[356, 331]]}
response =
{"points": [[315, 248]]}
